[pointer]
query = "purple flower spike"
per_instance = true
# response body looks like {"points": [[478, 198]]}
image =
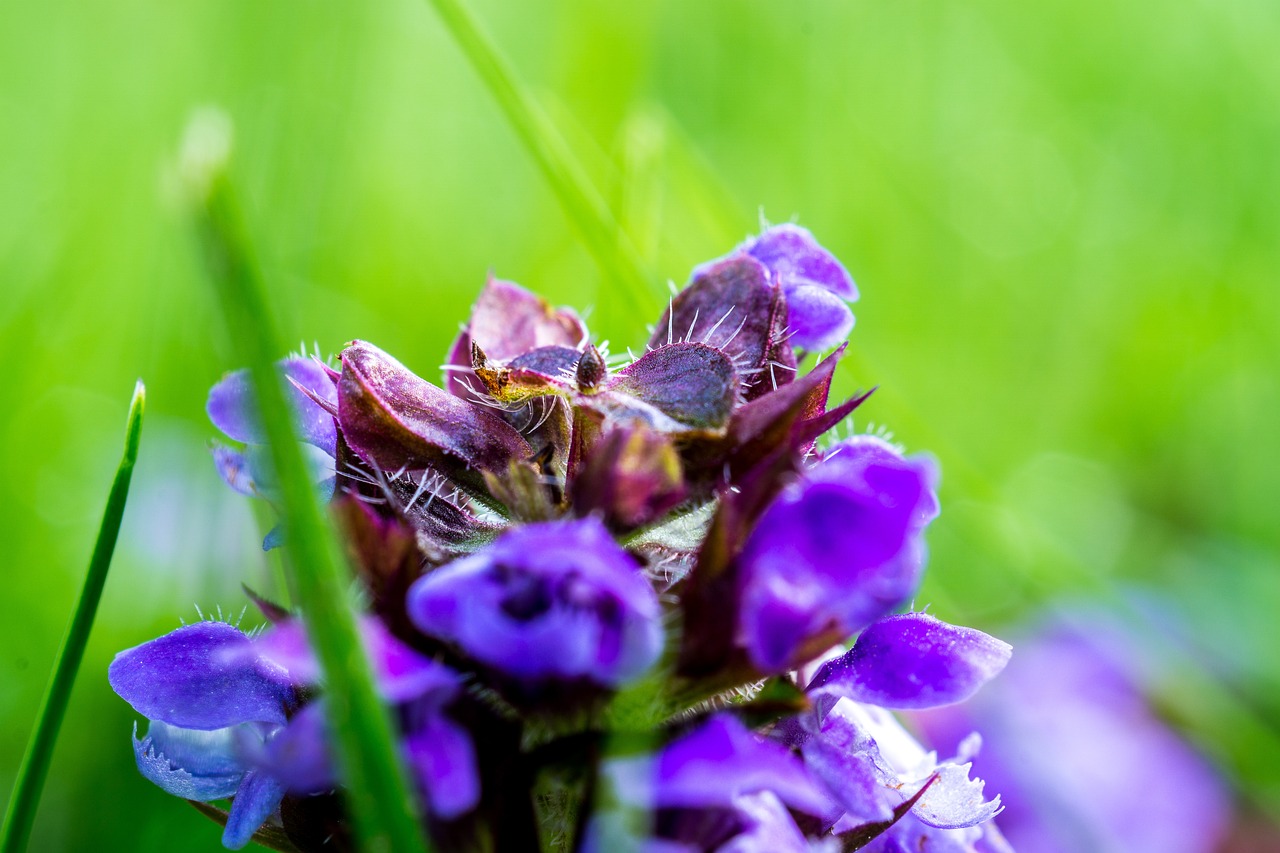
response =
{"points": [[559, 600], [200, 677], [834, 553], [816, 285], [914, 661]]}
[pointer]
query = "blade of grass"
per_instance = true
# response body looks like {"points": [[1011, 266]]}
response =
{"points": [[35, 764], [377, 787], [612, 248]]}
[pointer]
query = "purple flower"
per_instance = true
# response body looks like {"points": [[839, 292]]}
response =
{"points": [[719, 788], [233, 408], [225, 719], [552, 601], [1082, 760], [834, 552], [815, 284], [205, 695]]}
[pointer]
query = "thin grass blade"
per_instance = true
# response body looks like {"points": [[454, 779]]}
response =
{"points": [[382, 805], [35, 764]]}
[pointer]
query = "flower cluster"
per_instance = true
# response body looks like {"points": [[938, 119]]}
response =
{"points": [[596, 591]]}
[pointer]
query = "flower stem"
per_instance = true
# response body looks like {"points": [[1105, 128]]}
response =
{"points": [[35, 764], [612, 248], [377, 789]]}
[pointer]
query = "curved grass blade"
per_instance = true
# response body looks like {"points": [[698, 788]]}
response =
{"points": [[35, 764], [610, 245], [382, 805]]}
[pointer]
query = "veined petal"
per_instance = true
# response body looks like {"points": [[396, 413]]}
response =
{"points": [[200, 677], [914, 661]]}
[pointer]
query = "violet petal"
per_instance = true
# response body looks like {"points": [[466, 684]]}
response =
{"points": [[721, 760], [233, 408], [915, 661], [199, 677], [401, 673], [444, 762], [817, 319], [257, 799], [792, 252]]}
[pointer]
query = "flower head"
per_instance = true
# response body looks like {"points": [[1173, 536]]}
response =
{"points": [[533, 535]]}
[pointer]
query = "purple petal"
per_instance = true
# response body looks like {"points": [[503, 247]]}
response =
{"points": [[233, 467], [817, 319], [233, 408], [296, 755], [194, 765], [721, 761], [551, 600], [444, 762], [793, 253], [771, 828], [401, 673], [914, 661], [258, 798], [391, 418], [200, 677], [834, 553]]}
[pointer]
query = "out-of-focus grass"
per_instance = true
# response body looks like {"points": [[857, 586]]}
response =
{"points": [[1062, 216]]}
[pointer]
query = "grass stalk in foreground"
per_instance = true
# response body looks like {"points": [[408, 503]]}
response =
{"points": [[610, 245], [35, 764], [382, 804]]}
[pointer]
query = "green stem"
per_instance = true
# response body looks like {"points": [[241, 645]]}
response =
{"points": [[610, 245], [35, 764], [376, 784]]}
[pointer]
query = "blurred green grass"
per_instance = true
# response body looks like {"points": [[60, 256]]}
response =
{"points": [[1063, 218]]}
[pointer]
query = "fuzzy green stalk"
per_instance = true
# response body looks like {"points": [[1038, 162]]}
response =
{"points": [[586, 207], [377, 789], [35, 764]]}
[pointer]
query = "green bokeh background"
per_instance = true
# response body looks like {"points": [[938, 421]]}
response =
{"points": [[1063, 217]]}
